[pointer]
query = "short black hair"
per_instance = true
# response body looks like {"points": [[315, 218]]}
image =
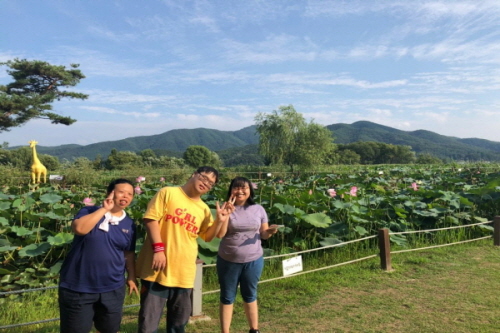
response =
{"points": [[115, 182], [209, 169], [241, 182]]}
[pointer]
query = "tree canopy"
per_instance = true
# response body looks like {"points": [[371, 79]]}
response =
{"points": [[286, 138], [37, 84], [196, 156], [380, 153]]}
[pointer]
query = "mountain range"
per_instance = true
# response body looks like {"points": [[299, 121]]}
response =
{"points": [[229, 143]]}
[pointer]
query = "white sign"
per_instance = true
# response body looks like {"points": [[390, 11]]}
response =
{"points": [[292, 265]]}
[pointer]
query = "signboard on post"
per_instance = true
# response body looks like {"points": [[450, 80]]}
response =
{"points": [[292, 265]]}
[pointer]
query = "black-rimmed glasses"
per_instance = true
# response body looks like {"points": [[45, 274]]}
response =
{"points": [[204, 179]]}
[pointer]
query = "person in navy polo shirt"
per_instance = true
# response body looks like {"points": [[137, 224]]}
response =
{"points": [[92, 278]]}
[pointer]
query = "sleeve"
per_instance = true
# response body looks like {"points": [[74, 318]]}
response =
{"points": [[131, 246], [263, 215], [156, 206], [86, 211]]}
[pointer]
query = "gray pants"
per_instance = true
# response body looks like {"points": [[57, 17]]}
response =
{"points": [[154, 296]]}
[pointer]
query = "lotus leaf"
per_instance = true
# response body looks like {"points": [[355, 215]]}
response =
{"points": [[327, 241], [285, 209], [55, 268], [51, 198], [34, 250], [3, 221], [7, 248], [319, 220], [399, 240], [212, 246], [21, 231], [60, 239], [360, 230]]}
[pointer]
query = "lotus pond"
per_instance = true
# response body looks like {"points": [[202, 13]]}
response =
{"points": [[317, 210]]}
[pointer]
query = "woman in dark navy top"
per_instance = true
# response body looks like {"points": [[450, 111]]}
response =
{"points": [[92, 279]]}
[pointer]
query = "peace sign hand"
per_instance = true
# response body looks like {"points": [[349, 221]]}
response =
{"points": [[225, 210]]}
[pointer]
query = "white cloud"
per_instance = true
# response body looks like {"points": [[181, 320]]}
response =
{"points": [[111, 35], [273, 49], [381, 112], [122, 113], [433, 116], [205, 21]]}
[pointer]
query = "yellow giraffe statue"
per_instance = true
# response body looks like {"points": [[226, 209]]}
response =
{"points": [[37, 168]]}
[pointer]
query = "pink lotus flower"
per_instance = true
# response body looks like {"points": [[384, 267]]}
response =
{"points": [[310, 192], [137, 190], [353, 191], [88, 202], [140, 179], [414, 186], [332, 192], [254, 186], [162, 179]]}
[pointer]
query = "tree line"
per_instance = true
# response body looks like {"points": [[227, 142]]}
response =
{"points": [[287, 138]]}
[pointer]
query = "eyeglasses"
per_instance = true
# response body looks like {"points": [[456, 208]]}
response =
{"points": [[240, 188], [204, 179]]}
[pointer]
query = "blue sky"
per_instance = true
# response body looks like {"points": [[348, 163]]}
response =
{"points": [[153, 66]]}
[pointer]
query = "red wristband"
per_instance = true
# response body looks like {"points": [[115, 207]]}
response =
{"points": [[158, 247]]}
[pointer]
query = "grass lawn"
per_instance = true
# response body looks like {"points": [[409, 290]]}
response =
{"points": [[451, 289]]}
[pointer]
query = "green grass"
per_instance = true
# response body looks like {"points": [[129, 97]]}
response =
{"points": [[450, 289]]}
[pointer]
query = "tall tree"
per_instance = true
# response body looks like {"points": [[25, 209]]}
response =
{"points": [[122, 159], [196, 156], [37, 84], [286, 138]]}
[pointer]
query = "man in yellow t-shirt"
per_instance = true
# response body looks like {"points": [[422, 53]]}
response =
{"points": [[166, 264]]}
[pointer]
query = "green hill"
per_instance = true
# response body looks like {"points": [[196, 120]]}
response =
{"points": [[239, 147], [174, 141], [421, 141]]}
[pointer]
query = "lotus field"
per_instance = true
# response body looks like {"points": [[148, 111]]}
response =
{"points": [[317, 210]]}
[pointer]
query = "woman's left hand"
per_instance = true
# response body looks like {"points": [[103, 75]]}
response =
{"points": [[273, 228]]}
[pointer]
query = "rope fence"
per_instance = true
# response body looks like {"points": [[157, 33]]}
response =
{"points": [[384, 254]]}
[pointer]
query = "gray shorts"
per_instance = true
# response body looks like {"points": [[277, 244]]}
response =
{"points": [[154, 296]]}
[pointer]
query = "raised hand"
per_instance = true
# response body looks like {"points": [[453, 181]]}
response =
{"points": [[109, 202], [226, 209]]}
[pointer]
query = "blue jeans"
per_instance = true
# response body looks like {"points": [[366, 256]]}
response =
{"points": [[247, 275]]}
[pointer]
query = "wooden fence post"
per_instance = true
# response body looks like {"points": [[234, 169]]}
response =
{"points": [[384, 245], [196, 296], [496, 231]]}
